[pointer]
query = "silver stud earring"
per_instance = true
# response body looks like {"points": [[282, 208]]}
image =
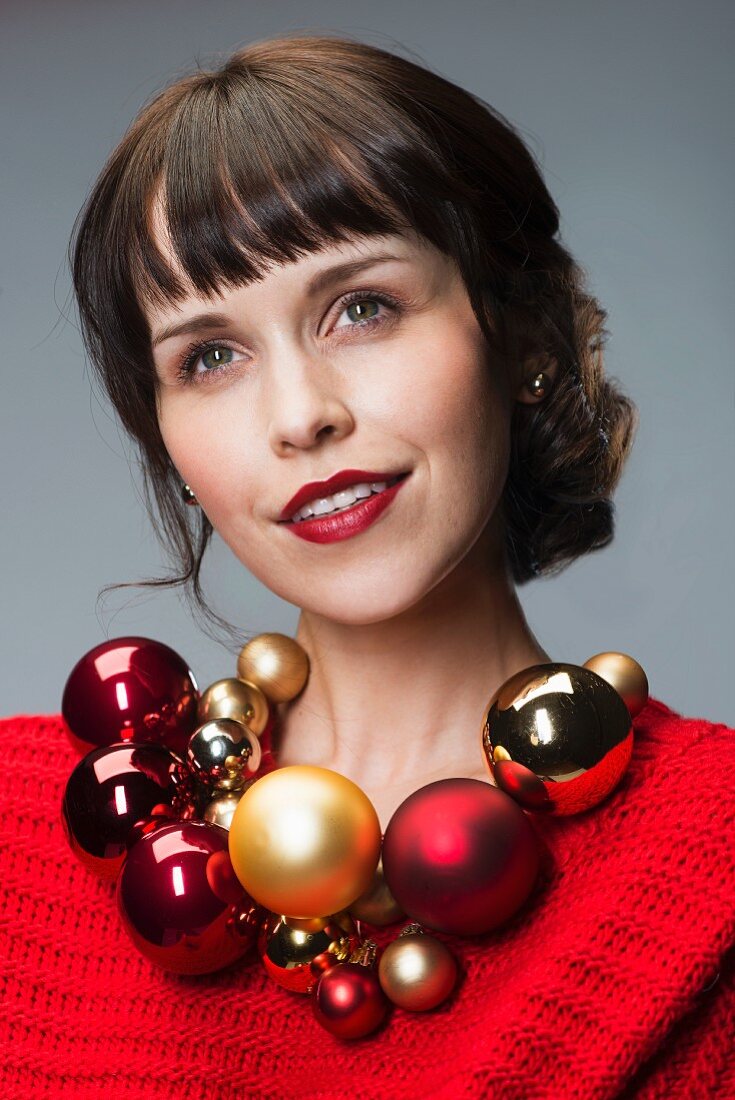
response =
{"points": [[187, 495]]}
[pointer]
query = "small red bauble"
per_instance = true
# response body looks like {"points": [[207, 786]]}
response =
{"points": [[130, 689], [348, 1001], [113, 794], [181, 902], [460, 856]]}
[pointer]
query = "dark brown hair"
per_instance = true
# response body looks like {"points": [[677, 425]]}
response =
{"points": [[303, 141]]}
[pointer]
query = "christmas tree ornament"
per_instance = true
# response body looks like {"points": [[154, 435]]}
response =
{"points": [[295, 957], [277, 664], [130, 689], [348, 1000], [557, 737], [234, 699], [213, 856], [223, 754], [417, 972], [377, 906], [625, 675], [221, 808], [115, 790], [181, 902], [305, 841], [460, 856]]}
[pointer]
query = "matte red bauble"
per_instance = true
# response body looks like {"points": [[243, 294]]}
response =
{"points": [[460, 856], [113, 793], [130, 689], [348, 1000], [181, 902]]}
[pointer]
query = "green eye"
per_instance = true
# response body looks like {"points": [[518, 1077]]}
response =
{"points": [[361, 305], [216, 357]]}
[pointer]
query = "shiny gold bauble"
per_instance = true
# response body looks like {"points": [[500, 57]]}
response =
{"points": [[276, 664], [377, 905], [296, 958], [557, 737], [223, 754], [221, 809], [625, 675], [232, 698], [417, 972], [305, 841]]}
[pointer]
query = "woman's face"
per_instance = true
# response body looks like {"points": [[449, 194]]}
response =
{"points": [[311, 371]]}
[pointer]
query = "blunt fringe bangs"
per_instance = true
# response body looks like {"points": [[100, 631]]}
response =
{"points": [[299, 142]]}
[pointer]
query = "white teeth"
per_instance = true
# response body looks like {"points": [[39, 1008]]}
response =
{"points": [[344, 498]]}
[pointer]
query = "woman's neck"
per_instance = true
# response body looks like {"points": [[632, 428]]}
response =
{"points": [[395, 704]]}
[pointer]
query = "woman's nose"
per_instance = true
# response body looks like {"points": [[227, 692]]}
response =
{"points": [[305, 401]]}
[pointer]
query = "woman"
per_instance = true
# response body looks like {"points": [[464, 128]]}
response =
{"points": [[323, 263]]}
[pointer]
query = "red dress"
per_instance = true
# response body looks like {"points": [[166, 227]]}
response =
{"points": [[615, 979]]}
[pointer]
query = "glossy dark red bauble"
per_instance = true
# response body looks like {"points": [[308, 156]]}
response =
{"points": [[130, 689], [181, 902], [113, 794], [460, 856], [348, 1000]]}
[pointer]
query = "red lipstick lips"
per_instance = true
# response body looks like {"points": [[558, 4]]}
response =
{"points": [[335, 526], [342, 480]]}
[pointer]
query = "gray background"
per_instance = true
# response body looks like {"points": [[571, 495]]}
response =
{"points": [[628, 105]]}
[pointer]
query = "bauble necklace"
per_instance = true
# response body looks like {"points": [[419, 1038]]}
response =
{"points": [[217, 851]]}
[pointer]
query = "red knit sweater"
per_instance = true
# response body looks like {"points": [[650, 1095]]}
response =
{"points": [[601, 986]]}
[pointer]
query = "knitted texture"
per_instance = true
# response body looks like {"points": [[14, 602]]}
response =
{"points": [[601, 986]]}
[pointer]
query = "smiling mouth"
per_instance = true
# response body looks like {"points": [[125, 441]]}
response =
{"points": [[295, 521]]}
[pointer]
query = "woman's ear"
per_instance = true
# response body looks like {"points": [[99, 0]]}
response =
{"points": [[538, 375]]}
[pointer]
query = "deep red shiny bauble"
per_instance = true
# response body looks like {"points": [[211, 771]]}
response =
{"points": [[114, 792], [130, 689], [460, 856], [348, 1001], [181, 902]]}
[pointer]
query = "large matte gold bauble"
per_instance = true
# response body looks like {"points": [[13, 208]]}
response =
{"points": [[625, 675], [232, 698], [306, 841], [296, 958], [557, 737], [417, 972], [377, 905], [277, 664]]}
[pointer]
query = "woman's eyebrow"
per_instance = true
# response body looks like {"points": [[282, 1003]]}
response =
{"points": [[202, 322], [349, 268], [205, 321]]}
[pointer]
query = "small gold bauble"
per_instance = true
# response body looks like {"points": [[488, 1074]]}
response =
{"points": [[377, 905], [276, 664], [223, 754], [625, 675], [315, 924], [417, 972], [557, 737], [220, 810], [305, 841], [296, 958], [232, 698]]}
